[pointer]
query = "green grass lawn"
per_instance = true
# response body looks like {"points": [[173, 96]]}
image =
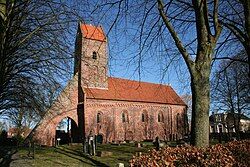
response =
{"points": [[72, 156]]}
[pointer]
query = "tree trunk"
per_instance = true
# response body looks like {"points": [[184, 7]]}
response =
{"points": [[200, 87], [247, 48], [199, 68]]}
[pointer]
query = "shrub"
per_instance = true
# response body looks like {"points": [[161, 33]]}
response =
{"points": [[232, 154], [240, 151]]}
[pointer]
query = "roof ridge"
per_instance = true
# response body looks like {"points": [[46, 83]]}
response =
{"points": [[141, 81]]}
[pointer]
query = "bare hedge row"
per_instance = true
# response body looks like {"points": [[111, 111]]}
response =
{"points": [[236, 153]]}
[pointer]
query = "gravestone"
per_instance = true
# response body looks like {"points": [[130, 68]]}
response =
{"points": [[91, 144]]}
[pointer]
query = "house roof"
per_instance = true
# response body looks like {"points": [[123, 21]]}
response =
{"points": [[23, 131], [93, 32], [227, 114], [128, 90]]}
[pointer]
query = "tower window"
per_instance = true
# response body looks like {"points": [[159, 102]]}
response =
{"points": [[94, 55]]}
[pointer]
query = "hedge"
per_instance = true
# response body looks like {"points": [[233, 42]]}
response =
{"points": [[232, 154]]}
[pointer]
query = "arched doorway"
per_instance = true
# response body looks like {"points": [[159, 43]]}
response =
{"points": [[66, 131]]}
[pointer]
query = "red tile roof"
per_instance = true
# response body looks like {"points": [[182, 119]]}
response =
{"points": [[128, 90], [93, 32]]}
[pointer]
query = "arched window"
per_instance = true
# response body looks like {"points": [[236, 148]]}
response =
{"points": [[125, 117], [94, 55], [98, 118], [160, 117], [143, 117]]}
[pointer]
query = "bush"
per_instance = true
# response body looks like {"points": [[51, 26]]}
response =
{"points": [[18, 139], [240, 151], [232, 154]]}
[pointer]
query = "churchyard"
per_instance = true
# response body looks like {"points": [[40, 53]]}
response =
{"points": [[71, 155], [234, 153]]}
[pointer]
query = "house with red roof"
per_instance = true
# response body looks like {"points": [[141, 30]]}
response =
{"points": [[114, 109], [23, 132]]}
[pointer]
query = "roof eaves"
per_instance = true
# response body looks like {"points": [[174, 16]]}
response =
{"points": [[141, 101]]}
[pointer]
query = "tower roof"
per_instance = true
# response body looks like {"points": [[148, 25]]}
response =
{"points": [[92, 32], [128, 90]]}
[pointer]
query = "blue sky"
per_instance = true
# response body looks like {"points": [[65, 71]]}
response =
{"points": [[159, 63], [155, 66], [123, 54]]}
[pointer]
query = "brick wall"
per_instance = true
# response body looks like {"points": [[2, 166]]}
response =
{"points": [[118, 120], [64, 106], [112, 127], [93, 70]]}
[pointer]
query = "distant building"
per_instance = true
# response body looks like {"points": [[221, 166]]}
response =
{"points": [[23, 132], [114, 109], [225, 122]]}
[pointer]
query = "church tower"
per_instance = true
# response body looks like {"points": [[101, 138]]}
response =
{"points": [[91, 56]]}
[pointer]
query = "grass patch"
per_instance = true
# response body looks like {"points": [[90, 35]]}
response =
{"points": [[72, 156]]}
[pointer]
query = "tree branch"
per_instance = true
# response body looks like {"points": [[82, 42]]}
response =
{"points": [[230, 58], [236, 31], [174, 35], [217, 25]]}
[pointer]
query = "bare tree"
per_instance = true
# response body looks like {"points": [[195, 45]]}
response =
{"points": [[2, 127], [35, 53], [231, 89], [235, 16], [157, 21]]}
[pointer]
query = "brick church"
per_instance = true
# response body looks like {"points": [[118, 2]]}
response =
{"points": [[114, 109]]}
